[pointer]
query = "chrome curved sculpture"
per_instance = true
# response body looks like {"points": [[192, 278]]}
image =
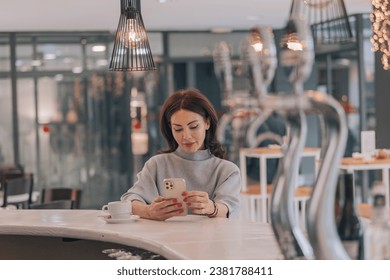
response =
{"points": [[241, 109], [287, 229], [323, 241], [297, 54], [241, 113], [223, 68], [258, 53], [321, 224]]}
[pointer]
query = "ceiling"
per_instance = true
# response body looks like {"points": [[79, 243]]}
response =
{"points": [[103, 15]]}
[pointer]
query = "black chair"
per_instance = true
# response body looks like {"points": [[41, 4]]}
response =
{"points": [[52, 194], [56, 204], [8, 171], [18, 191]]}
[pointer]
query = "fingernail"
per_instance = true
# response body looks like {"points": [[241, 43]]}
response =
{"points": [[179, 205], [181, 211], [184, 194], [174, 200], [188, 204]]}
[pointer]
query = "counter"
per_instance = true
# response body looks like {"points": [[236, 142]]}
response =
{"points": [[190, 237]]}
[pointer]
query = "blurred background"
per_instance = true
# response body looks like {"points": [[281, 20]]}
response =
{"points": [[73, 123]]}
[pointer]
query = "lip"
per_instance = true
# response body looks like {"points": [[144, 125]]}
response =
{"points": [[188, 144]]}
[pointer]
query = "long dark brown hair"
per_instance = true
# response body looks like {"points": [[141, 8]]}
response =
{"points": [[194, 101]]}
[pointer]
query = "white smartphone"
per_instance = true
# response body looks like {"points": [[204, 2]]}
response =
{"points": [[173, 188]]}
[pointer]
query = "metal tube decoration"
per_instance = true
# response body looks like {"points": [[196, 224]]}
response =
{"points": [[223, 69], [297, 52], [320, 221], [291, 239], [296, 58], [131, 50], [241, 108], [259, 62], [323, 241], [380, 19]]}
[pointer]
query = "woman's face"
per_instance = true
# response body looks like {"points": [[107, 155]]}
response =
{"points": [[189, 130]]}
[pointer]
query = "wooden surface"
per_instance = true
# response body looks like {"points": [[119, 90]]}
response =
{"points": [[274, 150], [364, 210], [255, 190], [355, 161]]}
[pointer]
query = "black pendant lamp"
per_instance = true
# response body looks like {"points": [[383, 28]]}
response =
{"points": [[131, 50], [328, 20]]}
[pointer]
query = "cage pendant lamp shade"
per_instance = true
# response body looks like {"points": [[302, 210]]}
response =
{"points": [[131, 50], [328, 20]]}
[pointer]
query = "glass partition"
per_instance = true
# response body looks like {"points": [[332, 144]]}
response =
{"points": [[198, 44], [26, 123], [59, 57], [6, 137], [5, 63]]}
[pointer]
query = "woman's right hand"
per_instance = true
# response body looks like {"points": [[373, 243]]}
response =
{"points": [[160, 209], [163, 208]]}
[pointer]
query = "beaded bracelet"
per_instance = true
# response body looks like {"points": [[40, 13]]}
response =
{"points": [[215, 212]]}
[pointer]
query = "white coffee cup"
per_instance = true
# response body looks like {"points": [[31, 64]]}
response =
{"points": [[118, 209]]}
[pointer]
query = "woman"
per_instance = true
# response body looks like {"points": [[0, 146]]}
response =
{"points": [[188, 122]]}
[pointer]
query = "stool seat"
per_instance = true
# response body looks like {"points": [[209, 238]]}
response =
{"points": [[301, 191], [256, 190]]}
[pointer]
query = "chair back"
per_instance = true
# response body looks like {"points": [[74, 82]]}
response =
{"points": [[18, 190], [9, 171], [56, 204], [52, 194]]}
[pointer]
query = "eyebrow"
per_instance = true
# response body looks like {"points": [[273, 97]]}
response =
{"points": [[191, 122]]}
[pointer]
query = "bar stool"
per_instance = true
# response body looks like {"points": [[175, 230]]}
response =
{"points": [[252, 199]]}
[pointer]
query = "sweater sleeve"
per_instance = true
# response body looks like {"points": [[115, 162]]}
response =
{"points": [[228, 191], [145, 188]]}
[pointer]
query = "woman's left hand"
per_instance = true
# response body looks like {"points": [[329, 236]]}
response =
{"points": [[199, 202]]}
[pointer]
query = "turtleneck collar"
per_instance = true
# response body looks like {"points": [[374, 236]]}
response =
{"points": [[198, 155]]}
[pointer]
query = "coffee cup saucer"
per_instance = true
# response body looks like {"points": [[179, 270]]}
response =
{"points": [[129, 219]]}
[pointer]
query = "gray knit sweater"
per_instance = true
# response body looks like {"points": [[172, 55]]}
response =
{"points": [[201, 170]]}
